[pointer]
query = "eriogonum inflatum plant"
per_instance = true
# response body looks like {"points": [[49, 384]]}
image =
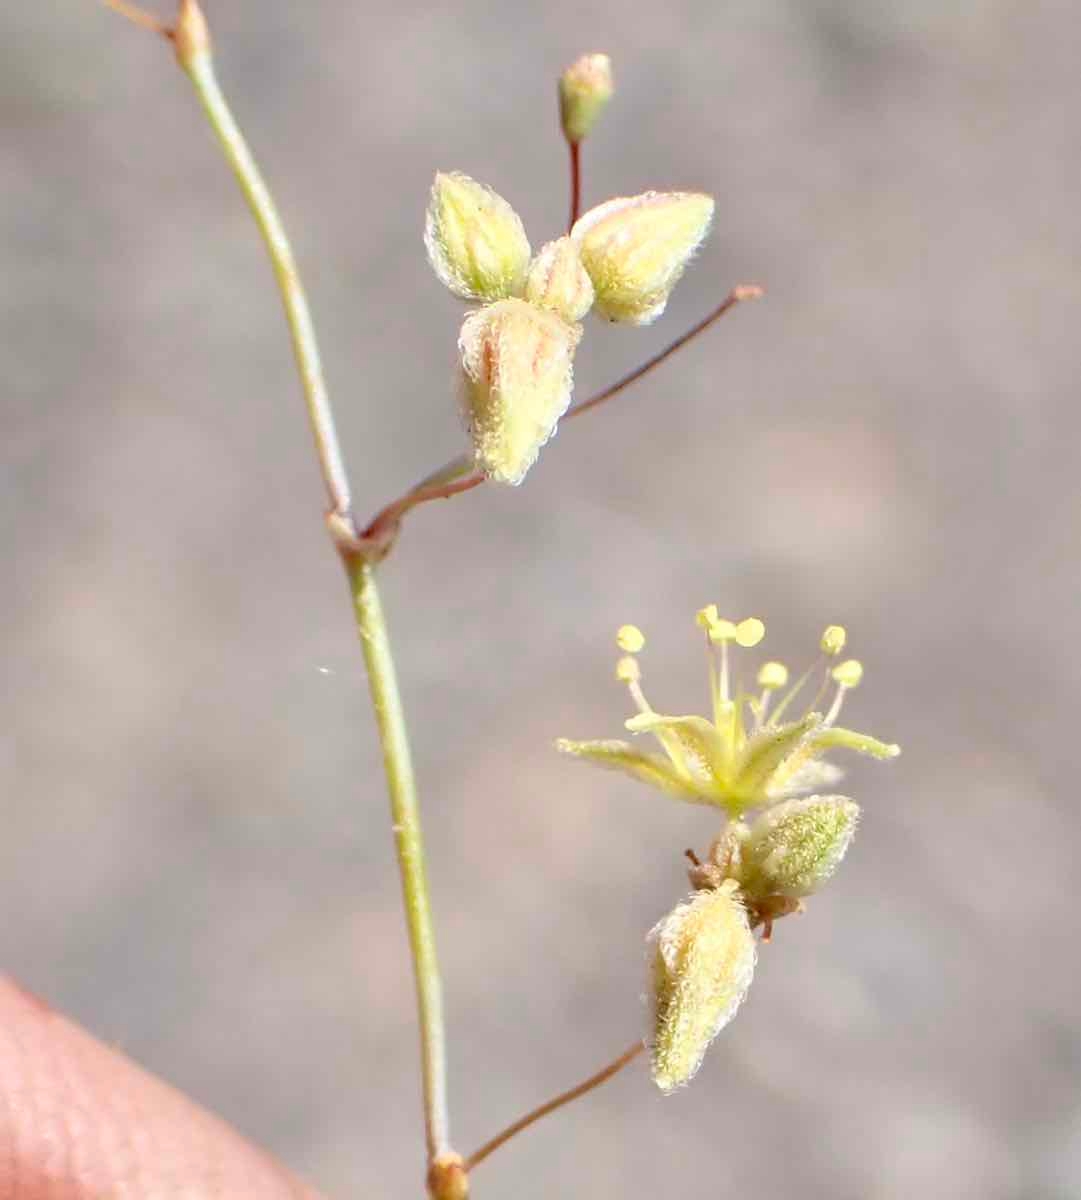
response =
{"points": [[782, 839], [622, 259], [763, 767]]}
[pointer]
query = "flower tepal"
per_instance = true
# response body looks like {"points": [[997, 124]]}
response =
{"points": [[558, 281], [702, 959], [635, 248], [749, 752], [517, 375], [476, 242]]}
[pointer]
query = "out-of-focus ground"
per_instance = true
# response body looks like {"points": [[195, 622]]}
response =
{"points": [[196, 861]]}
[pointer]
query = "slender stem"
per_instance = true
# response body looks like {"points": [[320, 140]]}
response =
{"points": [[748, 291], [594, 1081], [455, 478], [383, 528], [191, 41], [576, 182], [397, 761], [139, 16], [200, 69]]}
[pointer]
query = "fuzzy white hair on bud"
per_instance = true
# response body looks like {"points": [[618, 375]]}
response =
{"points": [[517, 373], [635, 248]]}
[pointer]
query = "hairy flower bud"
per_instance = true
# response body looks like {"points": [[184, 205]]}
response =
{"points": [[794, 847], [558, 281], [703, 957], [475, 241], [635, 249], [517, 371], [585, 88]]}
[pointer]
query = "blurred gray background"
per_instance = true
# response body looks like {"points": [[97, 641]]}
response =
{"points": [[196, 860]]}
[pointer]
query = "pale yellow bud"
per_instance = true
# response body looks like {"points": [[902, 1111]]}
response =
{"points": [[517, 371], [630, 639], [703, 957], [848, 674], [475, 241], [772, 675], [635, 249], [833, 639], [585, 88], [558, 281]]}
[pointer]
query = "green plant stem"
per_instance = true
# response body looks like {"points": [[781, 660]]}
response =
{"points": [[405, 812], [200, 70], [368, 612]]}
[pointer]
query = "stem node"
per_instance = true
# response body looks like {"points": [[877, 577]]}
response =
{"points": [[448, 1178]]}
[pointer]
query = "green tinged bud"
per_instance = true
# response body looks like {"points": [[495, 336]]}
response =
{"points": [[585, 88], [794, 847], [475, 241], [635, 249], [558, 281], [703, 956], [517, 369]]}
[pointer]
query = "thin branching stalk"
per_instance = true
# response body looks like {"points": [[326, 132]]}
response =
{"points": [[550, 1106], [456, 476], [192, 44]]}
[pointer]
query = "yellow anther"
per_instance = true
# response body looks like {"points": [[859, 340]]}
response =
{"points": [[705, 617], [628, 670], [750, 632], [833, 640], [722, 631], [630, 639], [772, 675], [849, 673]]}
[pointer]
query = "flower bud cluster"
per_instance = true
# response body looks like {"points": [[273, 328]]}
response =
{"points": [[621, 259], [782, 840]]}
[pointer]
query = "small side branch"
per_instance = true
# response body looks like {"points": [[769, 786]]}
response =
{"points": [[745, 291], [456, 477], [594, 1081], [139, 16]]}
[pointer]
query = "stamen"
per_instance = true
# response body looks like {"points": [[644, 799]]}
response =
{"points": [[792, 693], [721, 632], [706, 617], [835, 707], [833, 640], [714, 682], [750, 632], [630, 639], [771, 676], [628, 670], [846, 676], [849, 673], [823, 688]]}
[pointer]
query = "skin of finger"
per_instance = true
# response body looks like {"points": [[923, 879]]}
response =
{"points": [[79, 1121]]}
